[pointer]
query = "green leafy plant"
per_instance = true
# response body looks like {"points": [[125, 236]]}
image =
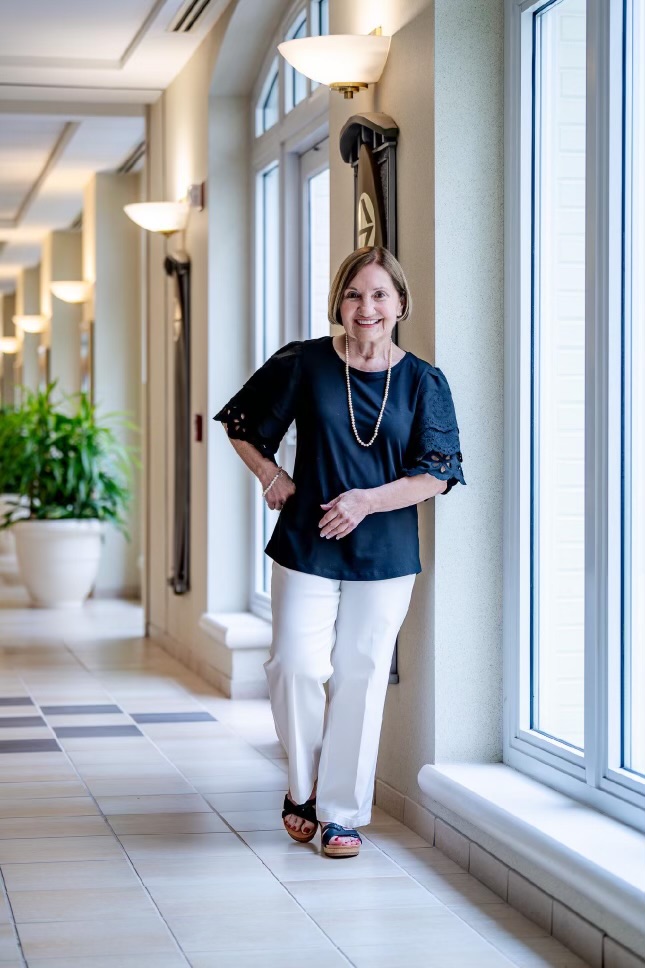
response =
{"points": [[66, 465], [10, 444]]}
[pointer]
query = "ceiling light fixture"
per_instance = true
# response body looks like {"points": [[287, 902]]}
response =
{"points": [[8, 345], [344, 62], [30, 324], [71, 291]]}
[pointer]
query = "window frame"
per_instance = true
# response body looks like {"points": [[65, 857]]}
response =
{"points": [[591, 776], [297, 131]]}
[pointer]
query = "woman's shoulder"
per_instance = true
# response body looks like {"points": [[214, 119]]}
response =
{"points": [[424, 370], [302, 348]]}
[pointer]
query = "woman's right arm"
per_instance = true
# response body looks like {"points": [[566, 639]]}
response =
{"points": [[265, 470]]}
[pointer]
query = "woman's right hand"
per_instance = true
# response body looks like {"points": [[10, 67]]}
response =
{"points": [[278, 495]]}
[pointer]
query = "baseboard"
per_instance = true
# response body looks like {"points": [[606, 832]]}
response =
{"points": [[566, 925]]}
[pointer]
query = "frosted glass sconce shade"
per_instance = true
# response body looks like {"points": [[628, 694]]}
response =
{"points": [[30, 324], [344, 62], [8, 345], [164, 217], [71, 291]]}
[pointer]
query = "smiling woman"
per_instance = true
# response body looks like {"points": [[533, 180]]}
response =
{"points": [[376, 434]]}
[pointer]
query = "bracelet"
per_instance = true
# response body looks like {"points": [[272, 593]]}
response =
{"points": [[269, 486]]}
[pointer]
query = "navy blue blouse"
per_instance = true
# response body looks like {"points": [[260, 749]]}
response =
{"points": [[305, 381]]}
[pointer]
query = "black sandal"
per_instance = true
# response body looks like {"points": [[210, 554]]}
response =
{"points": [[305, 810], [331, 830]]}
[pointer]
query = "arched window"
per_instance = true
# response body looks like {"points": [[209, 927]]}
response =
{"points": [[290, 160]]}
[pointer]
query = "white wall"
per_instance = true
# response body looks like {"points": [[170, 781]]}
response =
{"points": [[443, 85], [28, 304], [111, 258]]}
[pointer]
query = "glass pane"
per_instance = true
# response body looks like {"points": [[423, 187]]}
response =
{"points": [[270, 106], [298, 80], [557, 534], [269, 315], [321, 16], [634, 409], [318, 191]]}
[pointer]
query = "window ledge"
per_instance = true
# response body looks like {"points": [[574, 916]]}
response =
{"points": [[237, 630], [545, 835]]}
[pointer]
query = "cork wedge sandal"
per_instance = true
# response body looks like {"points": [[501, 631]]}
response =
{"points": [[330, 830], [307, 811]]}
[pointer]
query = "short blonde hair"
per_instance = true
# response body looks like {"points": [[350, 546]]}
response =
{"points": [[352, 265]]}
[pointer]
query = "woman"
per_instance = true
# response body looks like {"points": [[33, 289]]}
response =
{"points": [[377, 434]]}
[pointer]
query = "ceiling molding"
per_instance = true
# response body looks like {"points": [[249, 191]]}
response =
{"points": [[72, 110], [83, 94], [70, 129]]}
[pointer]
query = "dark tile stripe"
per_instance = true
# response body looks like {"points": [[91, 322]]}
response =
{"points": [[7, 721], [63, 731], [173, 718], [29, 746], [16, 701], [80, 710]]}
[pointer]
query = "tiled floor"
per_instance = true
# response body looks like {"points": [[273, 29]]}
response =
{"points": [[140, 828]]}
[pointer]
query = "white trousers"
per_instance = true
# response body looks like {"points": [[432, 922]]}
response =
{"points": [[341, 632]]}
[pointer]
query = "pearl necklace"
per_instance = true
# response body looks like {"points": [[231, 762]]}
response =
{"points": [[349, 395]]}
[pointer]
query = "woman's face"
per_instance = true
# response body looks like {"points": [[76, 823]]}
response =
{"points": [[370, 305]]}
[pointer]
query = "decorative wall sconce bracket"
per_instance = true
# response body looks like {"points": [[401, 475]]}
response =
{"points": [[368, 143], [179, 268]]}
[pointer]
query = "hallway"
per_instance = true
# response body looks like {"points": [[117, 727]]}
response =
{"points": [[140, 826]]}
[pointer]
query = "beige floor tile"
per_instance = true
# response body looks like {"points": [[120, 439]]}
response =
{"points": [[93, 719], [26, 732], [58, 848], [265, 800], [314, 866], [538, 953], [191, 899], [9, 948], [455, 888], [139, 960], [246, 930], [254, 820], [90, 772], [29, 772], [115, 874], [488, 919], [47, 807], [424, 859], [76, 939], [360, 893], [326, 957], [240, 782], [32, 827], [160, 846], [167, 823], [131, 786], [156, 803], [393, 840], [221, 868], [405, 955], [80, 905], [46, 789], [146, 755], [431, 924]]}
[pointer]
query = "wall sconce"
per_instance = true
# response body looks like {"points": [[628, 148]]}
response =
{"points": [[163, 217], [71, 291], [344, 62], [30, 324], [9, 345]]}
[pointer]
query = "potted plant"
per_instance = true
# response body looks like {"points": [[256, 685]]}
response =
{"points": [[71, 475], [10, 441]]}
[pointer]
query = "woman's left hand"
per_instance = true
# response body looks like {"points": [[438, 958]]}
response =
{"points": [[344, 513]]}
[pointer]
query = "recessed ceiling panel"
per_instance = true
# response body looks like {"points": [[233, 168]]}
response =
{"points": [[73, 29], [25, 145]]}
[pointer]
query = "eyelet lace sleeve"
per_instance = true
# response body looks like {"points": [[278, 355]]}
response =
{"points": [[262, 411], [434, 446]]}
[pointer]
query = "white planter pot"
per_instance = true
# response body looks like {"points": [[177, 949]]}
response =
{"points": [[58, 560], [7, 503]]}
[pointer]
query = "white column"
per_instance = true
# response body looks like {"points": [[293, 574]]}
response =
{"points": [[28, 304], [61, 259], [8, 380]]}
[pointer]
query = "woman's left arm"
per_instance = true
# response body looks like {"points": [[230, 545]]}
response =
{"points": [[345, 512]]}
